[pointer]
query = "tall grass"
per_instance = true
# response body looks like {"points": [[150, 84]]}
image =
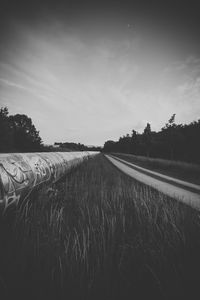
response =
{"points": [[100, 235], [181, 170]]}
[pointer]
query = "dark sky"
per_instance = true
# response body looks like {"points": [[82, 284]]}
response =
{"points": [[172, 21], [100, 68]]}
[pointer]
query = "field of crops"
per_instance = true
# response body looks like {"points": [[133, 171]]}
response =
{"points": [[99, 234]]}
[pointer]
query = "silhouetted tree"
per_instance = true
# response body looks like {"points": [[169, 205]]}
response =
{"points": [[109, 146], [147, 138], [134, 142], [171, 120], [191, 145], [170, 134], [25, 135], [6, 132], [173, 141]]}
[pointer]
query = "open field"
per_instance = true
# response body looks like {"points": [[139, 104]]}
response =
{"points": [[178, 169], [99, 235]]}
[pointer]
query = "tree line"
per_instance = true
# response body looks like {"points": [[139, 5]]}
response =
{"points": [[18, 133], [75, 147], [173, 141]]}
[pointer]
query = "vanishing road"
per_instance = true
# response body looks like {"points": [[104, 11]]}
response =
{"points": [[186, 192]]}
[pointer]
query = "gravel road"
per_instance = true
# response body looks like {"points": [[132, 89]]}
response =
{"points": [[181, 190]]}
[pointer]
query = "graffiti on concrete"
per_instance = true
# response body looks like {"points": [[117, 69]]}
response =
{"points": [[20, 173]]}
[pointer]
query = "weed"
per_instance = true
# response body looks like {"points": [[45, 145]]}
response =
{"points": [[101, 235]]}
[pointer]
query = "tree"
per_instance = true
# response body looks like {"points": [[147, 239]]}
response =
{"points": [[170, 123], [147, 138], [109, 146], [134, 142], [25, 135], [170, 134], [175, 141], [6, 132], [172, 119]]}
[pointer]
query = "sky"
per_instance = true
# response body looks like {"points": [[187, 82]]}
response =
{"points": [[91, 71]]}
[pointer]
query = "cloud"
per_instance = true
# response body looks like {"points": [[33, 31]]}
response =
{"points": [[81, 87], [19, 86]]}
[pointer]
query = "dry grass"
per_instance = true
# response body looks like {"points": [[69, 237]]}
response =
{"points": [[100, 235], [178, 169]]}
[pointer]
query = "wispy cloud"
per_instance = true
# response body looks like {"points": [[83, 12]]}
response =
{"points": [[87, 89]]}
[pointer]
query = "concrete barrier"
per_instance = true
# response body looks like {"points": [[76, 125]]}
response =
{"points": [[20, 173]]}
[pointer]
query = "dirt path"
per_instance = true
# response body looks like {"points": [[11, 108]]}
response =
{"points": [[181, 190]]}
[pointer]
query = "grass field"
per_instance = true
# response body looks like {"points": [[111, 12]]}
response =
{"points": [[178, 169], [100, 235]]}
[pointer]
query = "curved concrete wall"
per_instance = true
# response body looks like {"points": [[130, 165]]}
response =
{"points": [[21, 172]]}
